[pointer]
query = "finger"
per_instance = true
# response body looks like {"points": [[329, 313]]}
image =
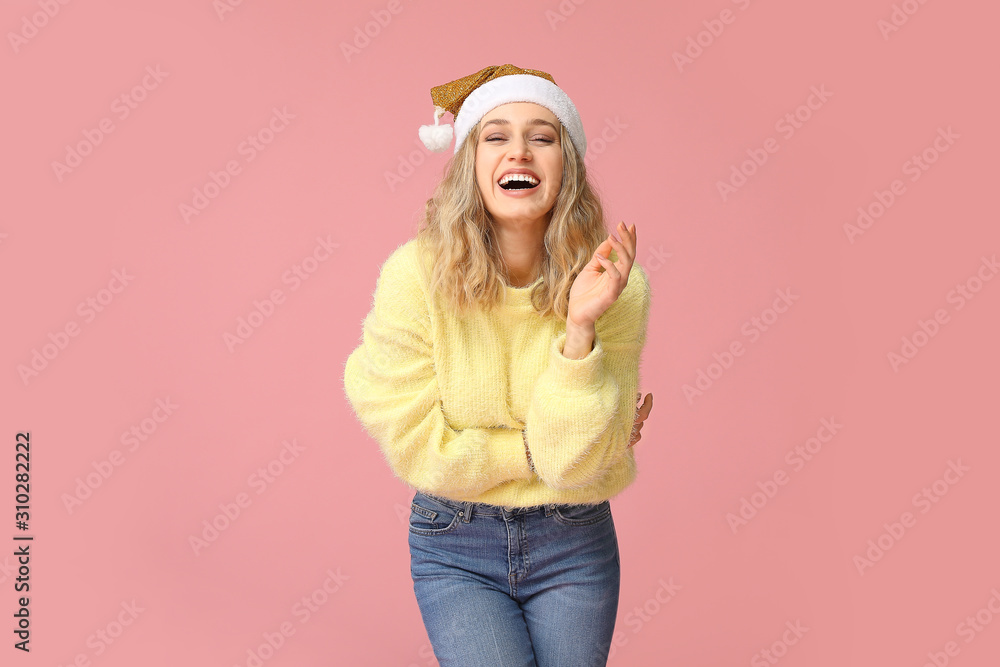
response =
{"points": [[624, 261], [605, 247], [627, 237], [624, 254], [646, 407], [609, 266]]}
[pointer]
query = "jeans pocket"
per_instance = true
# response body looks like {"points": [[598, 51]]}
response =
{"points": [[583, 515], [430, 517]]}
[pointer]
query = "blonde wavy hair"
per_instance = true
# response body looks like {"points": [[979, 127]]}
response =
{"points": [[458, 232]]}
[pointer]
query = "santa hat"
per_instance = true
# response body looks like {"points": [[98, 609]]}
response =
{"points": [[472, 97]]}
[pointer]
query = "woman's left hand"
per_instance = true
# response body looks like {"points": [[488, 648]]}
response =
{"points": [[641, 416], [594, 290]]}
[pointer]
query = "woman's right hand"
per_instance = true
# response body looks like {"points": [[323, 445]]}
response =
{"points": [[644, 410]]}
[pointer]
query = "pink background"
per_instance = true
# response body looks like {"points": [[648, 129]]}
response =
{"points": [[671, 135]]}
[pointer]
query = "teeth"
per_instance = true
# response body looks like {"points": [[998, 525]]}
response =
{"points": [[518, 177]]}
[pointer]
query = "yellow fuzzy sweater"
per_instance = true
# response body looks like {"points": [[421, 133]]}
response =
{"points": [[446, 396]]}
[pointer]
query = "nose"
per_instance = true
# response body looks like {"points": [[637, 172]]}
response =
{"points": [[519, 149]]}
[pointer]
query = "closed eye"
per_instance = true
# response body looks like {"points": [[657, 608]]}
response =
{"points": [[544, 139]]}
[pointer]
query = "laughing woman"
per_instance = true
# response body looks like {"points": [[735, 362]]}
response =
{"points": [[498, 371]]}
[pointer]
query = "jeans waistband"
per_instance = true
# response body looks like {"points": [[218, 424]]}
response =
{"points": [[487, 509]]}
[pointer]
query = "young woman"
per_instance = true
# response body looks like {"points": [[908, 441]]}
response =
{"points": [[498, 372]]}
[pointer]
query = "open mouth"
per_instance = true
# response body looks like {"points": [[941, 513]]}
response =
{"points": [[518, 182]]}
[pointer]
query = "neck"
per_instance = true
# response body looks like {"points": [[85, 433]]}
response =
{"points": [[522, 248]]}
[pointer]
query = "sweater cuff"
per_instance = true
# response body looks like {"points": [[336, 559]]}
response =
{"points": [[512, 460], [582, 373]]}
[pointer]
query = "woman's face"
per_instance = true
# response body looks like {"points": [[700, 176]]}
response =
{"points": [[520, 136]]}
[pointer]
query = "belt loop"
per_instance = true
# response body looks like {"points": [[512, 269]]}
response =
{"points": [[549, 509], [467, 517]]}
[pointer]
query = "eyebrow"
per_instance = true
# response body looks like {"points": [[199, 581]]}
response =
{"points": [[533, 121]]}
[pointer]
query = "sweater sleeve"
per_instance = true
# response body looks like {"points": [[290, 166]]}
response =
{"points": [[392, 386], [579, 421]]}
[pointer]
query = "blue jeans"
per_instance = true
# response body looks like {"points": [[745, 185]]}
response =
{"points": [[515, 587]]}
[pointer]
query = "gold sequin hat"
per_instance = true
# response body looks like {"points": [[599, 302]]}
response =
{"points": [[472, 97]]}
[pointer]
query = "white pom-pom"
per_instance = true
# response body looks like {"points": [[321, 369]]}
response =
{"points": [[436, 137]]}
